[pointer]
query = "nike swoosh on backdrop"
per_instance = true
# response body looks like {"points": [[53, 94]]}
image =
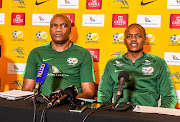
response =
{"points": [[142, 3], [36, 3]]}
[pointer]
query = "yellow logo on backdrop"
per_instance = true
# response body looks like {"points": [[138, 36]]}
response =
{"points": [[175, 39], [124, 2], [18, 3], [41, 35], [118, 37], [176, 79], [150, 37], [92, 36], [17, 34]]}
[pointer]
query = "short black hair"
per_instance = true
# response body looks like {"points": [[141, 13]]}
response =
{"points": [[135, 24]]}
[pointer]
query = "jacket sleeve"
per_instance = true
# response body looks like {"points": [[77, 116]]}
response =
{"points": [[87, 69], [105, 89], [166, 87]]}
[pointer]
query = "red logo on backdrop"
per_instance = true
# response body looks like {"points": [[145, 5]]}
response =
{"points": [[175, 21], [93, 4], [120, 20], [95, 54], [0, 3], [18, 19], [71, 16]]}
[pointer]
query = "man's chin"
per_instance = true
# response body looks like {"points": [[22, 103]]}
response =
{"points": [[60, 41], [135, 51]]}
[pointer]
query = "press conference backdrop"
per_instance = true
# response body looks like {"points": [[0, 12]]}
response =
{"points": [[98, 25]]}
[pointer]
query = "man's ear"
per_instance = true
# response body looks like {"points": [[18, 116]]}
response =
{"points": [[146, 40], [124, 41], [70, 30]]}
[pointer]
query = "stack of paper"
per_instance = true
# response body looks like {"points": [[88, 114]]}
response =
{"points": [[15, 94], [149, 109]]}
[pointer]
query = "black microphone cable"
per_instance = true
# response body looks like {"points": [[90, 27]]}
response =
{"points": [[36, 99], [54, 97], [105, 108], [100, 108], [43, 115], [58, 96], [34, 104], [85, 118], [33, 97]]}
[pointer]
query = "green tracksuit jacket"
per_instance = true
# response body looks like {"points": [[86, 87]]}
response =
{"points": [[149, 78]]}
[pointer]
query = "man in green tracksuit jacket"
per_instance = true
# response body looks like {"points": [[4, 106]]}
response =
{"points": [[149, 78], [69, 63]]}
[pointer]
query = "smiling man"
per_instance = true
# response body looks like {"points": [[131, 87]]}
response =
{"points": [[69, 63], [149, 78]]}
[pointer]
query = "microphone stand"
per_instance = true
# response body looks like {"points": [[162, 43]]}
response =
{"points": [[71, 101], [59, 100], [35, 95], [121, 106], [34, 100]]}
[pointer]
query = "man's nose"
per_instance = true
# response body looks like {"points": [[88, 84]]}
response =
{"points": [[134, 37], [59, 28]]}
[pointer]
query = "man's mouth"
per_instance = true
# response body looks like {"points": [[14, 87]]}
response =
{"points": [[59, 35], [133, 45]]}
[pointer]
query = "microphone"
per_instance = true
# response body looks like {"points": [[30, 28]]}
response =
{"points": [[122, 77], [55, 95], [41, 76], [69, 93]]}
